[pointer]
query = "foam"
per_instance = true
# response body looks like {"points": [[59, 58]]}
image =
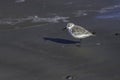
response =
{"points": [[34, 19], [106, 9]]}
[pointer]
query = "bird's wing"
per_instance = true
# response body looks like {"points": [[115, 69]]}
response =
{"points": [[78, 30]]}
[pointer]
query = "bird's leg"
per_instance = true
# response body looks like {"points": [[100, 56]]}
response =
{"points": [[79, 44]]}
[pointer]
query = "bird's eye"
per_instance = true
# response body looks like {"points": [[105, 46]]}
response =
{"points": [[71, 24]]}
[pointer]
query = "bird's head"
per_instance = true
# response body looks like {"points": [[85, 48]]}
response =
{"points": [[70, 25]]}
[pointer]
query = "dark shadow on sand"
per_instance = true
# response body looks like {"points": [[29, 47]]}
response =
{"points": [[60, 40]]}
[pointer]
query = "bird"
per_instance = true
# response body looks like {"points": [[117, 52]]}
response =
{"points": [[77, 31]]}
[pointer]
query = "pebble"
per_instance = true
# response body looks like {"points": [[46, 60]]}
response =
{"points": [[116, 34], [98, 44], [69, 77]]}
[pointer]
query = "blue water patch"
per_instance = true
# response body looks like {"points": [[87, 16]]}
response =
{"points": [[110, 14]]}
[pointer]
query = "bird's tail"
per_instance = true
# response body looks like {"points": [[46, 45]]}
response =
{"points": [[93, 35]]}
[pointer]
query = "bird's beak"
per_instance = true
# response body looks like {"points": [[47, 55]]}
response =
{"points": [[64, 28]]}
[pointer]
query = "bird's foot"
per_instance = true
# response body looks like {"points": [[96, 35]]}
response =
{"points": [[78, 45]]}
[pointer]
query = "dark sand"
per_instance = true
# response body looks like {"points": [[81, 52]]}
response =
{"points": [[46, 52]]}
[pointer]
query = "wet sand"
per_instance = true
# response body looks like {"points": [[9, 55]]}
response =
{"points": [[46, 52], [25, 54]]}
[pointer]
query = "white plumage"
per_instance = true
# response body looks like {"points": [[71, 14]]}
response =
{"points": [[78, 31]]}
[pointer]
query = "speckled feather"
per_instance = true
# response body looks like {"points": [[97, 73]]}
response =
{"points": [[79, 30]]}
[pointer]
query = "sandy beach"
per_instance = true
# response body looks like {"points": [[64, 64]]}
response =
{"points": [[46, 52]]}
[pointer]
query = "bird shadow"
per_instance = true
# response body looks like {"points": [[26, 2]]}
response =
{"points": [[60, 40]]}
